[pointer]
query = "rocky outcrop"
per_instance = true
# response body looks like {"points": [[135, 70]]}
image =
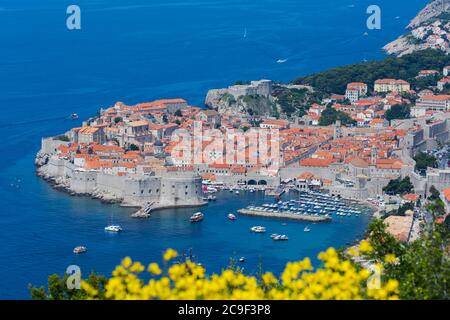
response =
{"points": [[225, 103], [432, 10], [400, 47], [417, 37]]}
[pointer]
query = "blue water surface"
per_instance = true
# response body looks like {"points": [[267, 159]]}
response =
{"points": [[134, 51]]}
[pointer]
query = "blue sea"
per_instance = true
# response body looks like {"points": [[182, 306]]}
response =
{"points": [[134, 51]]}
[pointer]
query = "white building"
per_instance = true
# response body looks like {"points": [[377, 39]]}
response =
{"points": [[355, 91]]}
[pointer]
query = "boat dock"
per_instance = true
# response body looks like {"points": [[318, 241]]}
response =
{"points": [[144, 212], [277, 193], [285, 215]]}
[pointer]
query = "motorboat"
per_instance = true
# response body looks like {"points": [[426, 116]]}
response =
{"points": [[258, 229], [242, 259], [232, 217], [197, 217], [307, 229], [280, 237], [113, 228], [73, 116], [80, 249]]}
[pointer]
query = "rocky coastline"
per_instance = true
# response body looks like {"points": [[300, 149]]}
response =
{"points": [[407, 43]]}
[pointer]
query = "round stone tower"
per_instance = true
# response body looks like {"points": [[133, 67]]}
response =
{"points": [[180, 189]]}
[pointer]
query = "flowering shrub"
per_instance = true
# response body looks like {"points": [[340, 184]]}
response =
{"points": [[337, 279]]}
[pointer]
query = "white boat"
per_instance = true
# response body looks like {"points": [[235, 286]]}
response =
{"points": [[113, 228], [237, 192], [258, 229], [212, 198], [80, 249], [307, 229], [282, 60], [242, 259], [232, 217], [280, 237], [73, 116], [197, 217]]}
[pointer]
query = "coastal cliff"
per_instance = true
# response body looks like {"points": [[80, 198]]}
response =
{"points": [[428, 29], [225, 103], [262, 99]]}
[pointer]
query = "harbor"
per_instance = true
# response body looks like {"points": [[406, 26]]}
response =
{"points": [[283, 215]]}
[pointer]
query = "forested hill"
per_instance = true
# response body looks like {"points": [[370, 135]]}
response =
{"points": [[406, 68]]}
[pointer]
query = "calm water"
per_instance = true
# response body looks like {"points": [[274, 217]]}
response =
{"points": [[135, 50]]}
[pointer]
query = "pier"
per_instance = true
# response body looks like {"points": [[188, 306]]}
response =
{"points": [[285, 215]]}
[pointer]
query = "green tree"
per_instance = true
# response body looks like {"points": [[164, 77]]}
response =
{"points": [[57, 288], [133, 147], [434, 193], [178, 113], [330, 116], [423, 161], [118, 119], [423, 266], [399, 186], [398, 112]]}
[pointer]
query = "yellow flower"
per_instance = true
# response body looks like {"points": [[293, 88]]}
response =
{"points": [[390, 258], [127, 262], [364, 246], [137, 267], [353, 252], [337, 279], [269, 279], [153, 268], [170, 254]]}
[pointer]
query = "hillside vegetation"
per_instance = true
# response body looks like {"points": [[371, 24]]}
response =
{"points": [[406, 68]]}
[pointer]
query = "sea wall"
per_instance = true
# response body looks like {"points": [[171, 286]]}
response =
{"points": [[167, 190]]}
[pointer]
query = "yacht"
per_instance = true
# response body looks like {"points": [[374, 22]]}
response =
{"points": [[197, 217], [258, 229], [80, 249], [113, 228]]}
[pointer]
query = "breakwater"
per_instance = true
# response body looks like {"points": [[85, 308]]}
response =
{"points": [[285, 215]]}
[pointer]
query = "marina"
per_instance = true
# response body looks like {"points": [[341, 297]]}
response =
{"points": [[310, 206]]}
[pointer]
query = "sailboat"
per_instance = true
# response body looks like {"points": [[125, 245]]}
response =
{"points": [[282, 60], [112, 227]]}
